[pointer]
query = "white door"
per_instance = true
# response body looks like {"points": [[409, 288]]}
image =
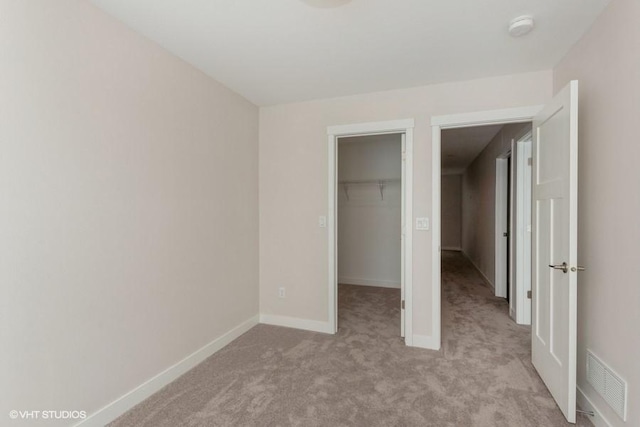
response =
{"points": [[502, 224], [402, 235], [554, 251]]}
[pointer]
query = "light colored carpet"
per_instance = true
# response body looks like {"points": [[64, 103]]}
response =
{"points": [[364, 375]]}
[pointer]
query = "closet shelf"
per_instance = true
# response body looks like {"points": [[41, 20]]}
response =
{"points": [[379, 182]]}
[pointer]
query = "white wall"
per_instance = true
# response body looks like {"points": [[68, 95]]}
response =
{"points": [[368, 223], [451, 207], [294, 185], [479, 201], [607, 64], [128, 221]]}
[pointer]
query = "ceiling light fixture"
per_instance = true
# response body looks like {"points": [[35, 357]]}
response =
{"points": [[521, 25], [325, 3]]}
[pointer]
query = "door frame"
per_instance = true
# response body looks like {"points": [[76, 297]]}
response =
{"points": [[521, 304], [363, 129], [452, 121]]}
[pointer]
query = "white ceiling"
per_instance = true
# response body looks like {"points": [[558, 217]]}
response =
{"points": [[461, 146], [278, 51]]}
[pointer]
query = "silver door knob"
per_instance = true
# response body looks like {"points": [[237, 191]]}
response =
{"points": [[564, 267]]}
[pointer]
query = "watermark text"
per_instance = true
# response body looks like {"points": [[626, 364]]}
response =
{"points": [[47, 415]]}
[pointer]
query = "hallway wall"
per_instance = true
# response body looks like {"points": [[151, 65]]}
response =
{"points": [[479, 201], [451, 207]]}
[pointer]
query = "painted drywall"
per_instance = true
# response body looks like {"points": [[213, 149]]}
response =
{"points": [[479, 200], [606, 62], [294, 182], [128, 222], [369, 222], [451, 207]]}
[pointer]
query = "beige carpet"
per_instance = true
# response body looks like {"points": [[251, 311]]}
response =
{"points": [[365, 376]]}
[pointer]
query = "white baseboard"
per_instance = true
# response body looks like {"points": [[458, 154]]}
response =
{"points": [[425, 341], [587, 405], [143, 391], [296, 323], [368, 282], [485, 278], [451, 248]]}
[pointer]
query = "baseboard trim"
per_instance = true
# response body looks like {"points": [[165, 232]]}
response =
{"points": [[296, 323], [485, 278], [123, 404], [451, 248], [587, 405], [368, 282], [425, 341]]}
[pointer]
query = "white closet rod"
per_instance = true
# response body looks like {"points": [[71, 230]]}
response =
{"points": [[369, 181]]}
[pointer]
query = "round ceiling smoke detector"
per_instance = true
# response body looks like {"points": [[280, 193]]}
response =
{"points": [[520, 26]]}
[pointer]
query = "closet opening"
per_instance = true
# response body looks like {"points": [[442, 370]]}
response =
{"points": [[369, 228], [370, 205]]}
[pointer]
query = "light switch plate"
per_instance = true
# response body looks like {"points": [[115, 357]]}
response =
{"points": [[322, 221], [422, 223]]}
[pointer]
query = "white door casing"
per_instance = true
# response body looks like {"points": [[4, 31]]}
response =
{"points": [[512, 222], [404, 127], [452, 121], [521, 301], [402, 234], [554, 243]]}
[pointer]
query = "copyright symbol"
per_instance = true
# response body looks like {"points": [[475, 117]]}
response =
{"points": [[13, 415]]}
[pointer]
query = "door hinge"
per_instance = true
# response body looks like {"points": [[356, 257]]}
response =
{"points": [[529, 161], [403, 304], [404, 155], [529, 294]]}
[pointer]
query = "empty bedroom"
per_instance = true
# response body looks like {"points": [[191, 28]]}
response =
{"points": [[248, 213]]}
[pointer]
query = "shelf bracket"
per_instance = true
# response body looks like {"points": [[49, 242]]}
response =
{"points": [[346, 190], [381, 184]]}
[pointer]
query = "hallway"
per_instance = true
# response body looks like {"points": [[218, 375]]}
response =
{"points": [[476, 323]]}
